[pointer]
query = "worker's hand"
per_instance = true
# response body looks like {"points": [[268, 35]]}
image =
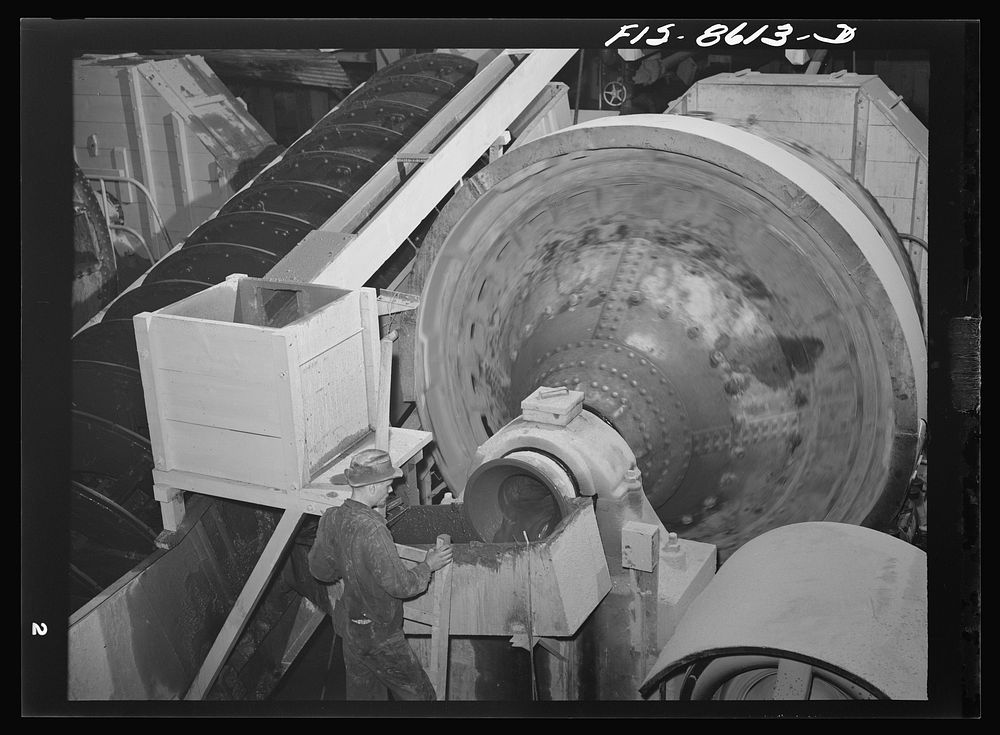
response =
{"points": [[439, 557]]}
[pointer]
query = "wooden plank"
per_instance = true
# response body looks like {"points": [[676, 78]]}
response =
{"points": [[140, 129], [225, 402], [877, 117], [309, 500], [101, 80], [335, 321], [214, 304], [918, 225], [899, 211], [295, 467], [160, 140], [411, 553], [890, 179], [248, 306], [214, 348], [150, 391], [403, 445], [182, 169], [334, 403], [547, 113], [831, 139], [416, 615], [756, 79], [862, 107], [204, 170], [98, 109], [121, 158], [245, 604], [886, 143], [779, 104], [441, 628], [369, 321], [385, 389], [234, 455]]}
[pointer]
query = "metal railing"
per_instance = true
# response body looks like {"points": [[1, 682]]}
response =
{"points": [[103, 179]]}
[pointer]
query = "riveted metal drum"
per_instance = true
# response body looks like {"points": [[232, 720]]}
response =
{"points": [[735, 306]]}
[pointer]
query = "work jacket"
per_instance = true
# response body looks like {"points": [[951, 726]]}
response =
{"points": [[353, 543]]}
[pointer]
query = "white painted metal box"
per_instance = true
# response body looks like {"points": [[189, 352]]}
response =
{"points": [[259, 381]]}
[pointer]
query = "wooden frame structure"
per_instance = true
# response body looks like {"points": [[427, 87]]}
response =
{"points": [[260, 391]]}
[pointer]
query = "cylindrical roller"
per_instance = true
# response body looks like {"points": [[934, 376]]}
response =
{"points": [[742, 313], [807, 611]]}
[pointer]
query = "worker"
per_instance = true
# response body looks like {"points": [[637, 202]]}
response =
{"points": [[353, 544]]}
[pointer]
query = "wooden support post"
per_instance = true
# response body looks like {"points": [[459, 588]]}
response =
{"points": [[183, 170], [145, 158], [412, 490], [245, 604], [441, 627], [424, 480], [171, 505], [384, 391]]}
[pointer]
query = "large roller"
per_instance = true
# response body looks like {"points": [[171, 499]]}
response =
{"points": [[737, 307]]}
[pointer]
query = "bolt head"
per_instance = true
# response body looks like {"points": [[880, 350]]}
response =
{"points": [[687, 520]]}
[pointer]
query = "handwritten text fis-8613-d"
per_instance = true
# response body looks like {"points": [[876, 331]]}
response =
{"points": [[739, 35]]}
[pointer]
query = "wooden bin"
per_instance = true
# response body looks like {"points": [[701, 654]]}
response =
{"points": [[259, 381]]}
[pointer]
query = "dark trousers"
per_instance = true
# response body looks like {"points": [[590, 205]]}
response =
{"points": [[390, 664]]}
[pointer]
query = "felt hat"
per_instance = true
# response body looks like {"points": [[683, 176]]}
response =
{"points": [[367, 467]]}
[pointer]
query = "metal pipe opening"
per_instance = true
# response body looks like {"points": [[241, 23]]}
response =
{"points": [[517, 495]]}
